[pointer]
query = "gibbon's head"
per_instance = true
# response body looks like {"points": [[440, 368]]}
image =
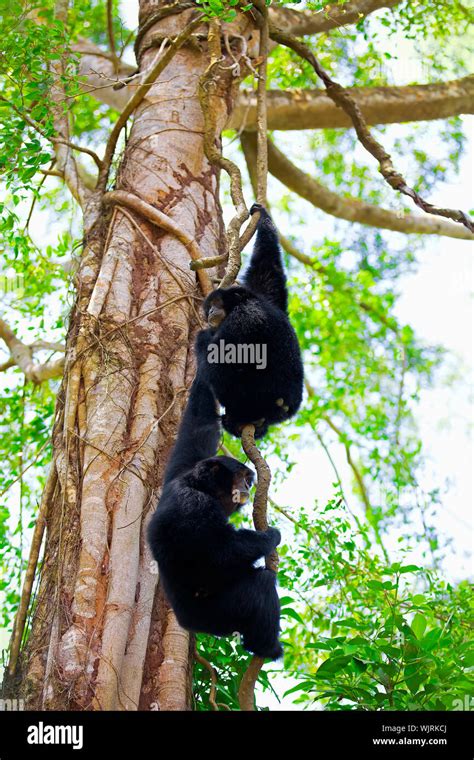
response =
{"points": [[226, 479], [221, 302]]}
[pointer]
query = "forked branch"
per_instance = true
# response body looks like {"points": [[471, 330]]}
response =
{"points": [[212, 672]]}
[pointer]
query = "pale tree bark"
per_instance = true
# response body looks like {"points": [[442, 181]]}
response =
{"points": [[301, 109], [102, 635], [313, 109]]}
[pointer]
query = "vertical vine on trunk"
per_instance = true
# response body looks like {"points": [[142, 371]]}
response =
{"points": [[235, 243]]}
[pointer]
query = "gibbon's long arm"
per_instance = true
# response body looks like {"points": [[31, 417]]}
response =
{"points": [[265, 274], [199, 431]]}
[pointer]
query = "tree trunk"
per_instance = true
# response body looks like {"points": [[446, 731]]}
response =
{"points": [[103, 636]]}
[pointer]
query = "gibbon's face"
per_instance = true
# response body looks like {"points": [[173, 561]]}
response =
{"points": [[219, 304], [215, 310], [234, 481], [242, 483]]}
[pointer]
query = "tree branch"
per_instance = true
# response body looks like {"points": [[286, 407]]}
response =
{"points": [[342, 98], [55, 141], [110, 33], [99, 71], [21, 355], [301, 109], [331, 17], [349, 208], [314, 109]]}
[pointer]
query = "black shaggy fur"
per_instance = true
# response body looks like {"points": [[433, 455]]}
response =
{"points": [[206, 565], [255, 313]]}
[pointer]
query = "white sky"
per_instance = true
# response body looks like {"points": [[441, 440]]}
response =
{"points": [[437, 303]]}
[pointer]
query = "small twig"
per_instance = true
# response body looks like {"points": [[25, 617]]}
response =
{"points": [[79, 148], [340, 96], [50, 138], [45, 173], [25, 469], [212, 672], [111, 35]]}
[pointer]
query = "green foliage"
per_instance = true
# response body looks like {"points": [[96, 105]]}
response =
{"points": [[225, 10], [26, 415], [374, 636], [359, 633], [29, 50]]}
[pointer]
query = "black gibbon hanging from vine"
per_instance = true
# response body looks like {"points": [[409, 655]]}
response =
{"points": [[253, 315], [206, 565]]}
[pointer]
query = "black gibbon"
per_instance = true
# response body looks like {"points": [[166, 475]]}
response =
{"points": [[255, 315], [206, 565]]}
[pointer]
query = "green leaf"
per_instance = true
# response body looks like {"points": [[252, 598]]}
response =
{"points": [[418, 625], [332, 666]]}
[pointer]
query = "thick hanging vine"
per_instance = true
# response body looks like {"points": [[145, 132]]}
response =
{"points": [[208, 87]]}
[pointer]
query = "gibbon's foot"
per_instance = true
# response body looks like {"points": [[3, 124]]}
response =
{"points": [[235, 428], [280, 401], [268, 653], [256, 423]]}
